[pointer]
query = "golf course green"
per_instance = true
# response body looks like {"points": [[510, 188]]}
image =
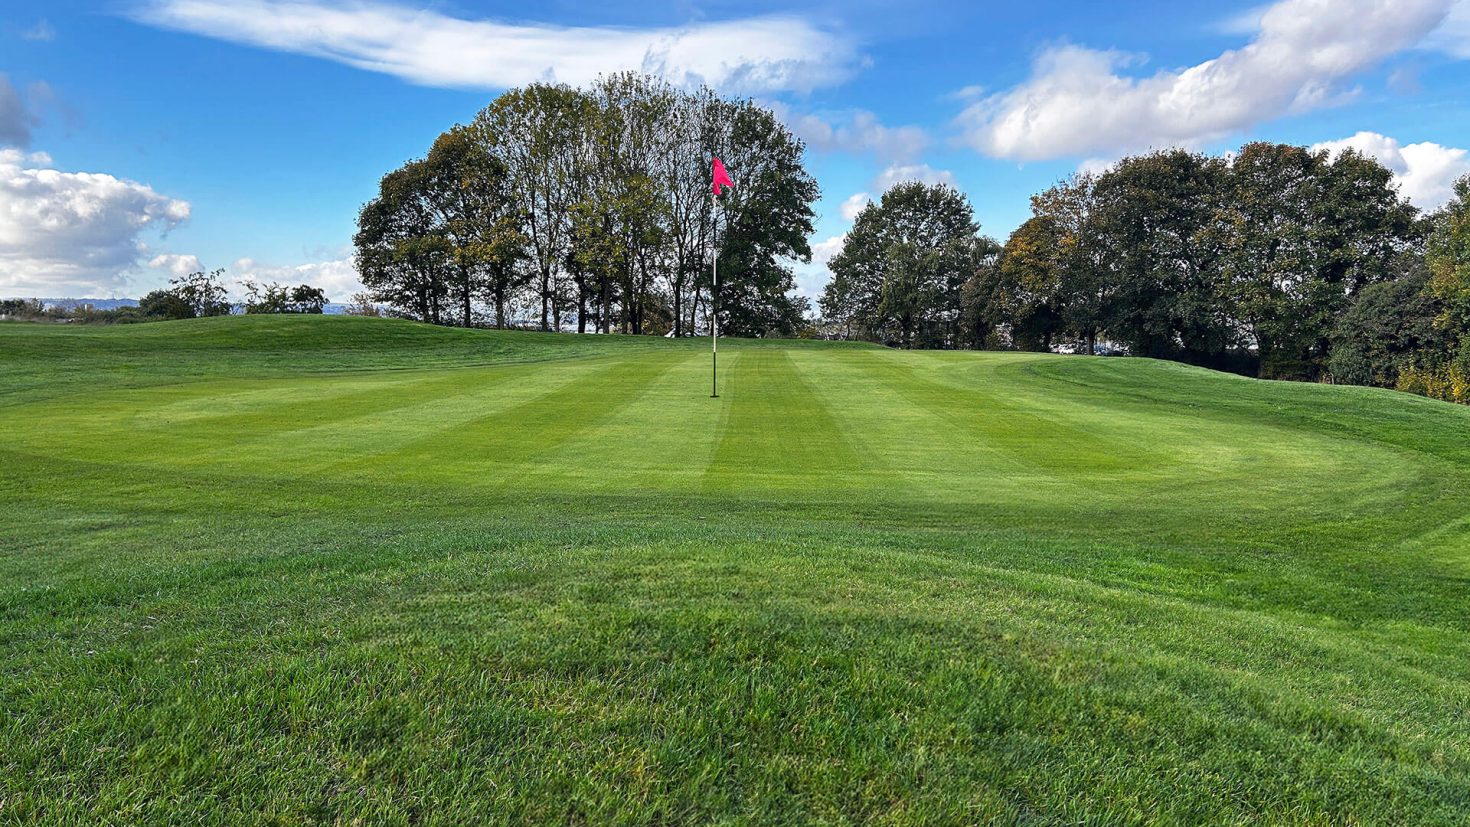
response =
{"points": [[296, 570]]}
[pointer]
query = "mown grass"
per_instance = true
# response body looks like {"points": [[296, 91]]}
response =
{"points": [[326, 570]]}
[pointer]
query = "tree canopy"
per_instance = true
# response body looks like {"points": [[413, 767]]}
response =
{"points": [[593, 204]]}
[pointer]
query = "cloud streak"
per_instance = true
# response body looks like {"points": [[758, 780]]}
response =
{"points": [[1079, 102], [858, 132], [751, 55]]}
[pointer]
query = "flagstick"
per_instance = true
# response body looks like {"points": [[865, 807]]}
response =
{"points": [[714, 296]]}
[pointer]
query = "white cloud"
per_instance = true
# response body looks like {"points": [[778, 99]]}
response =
{"points": [[854, 205], [176, 265], [1425, 172], [750, 55], [812, 278], [337, 277], [1096, 166], [858, 132], [1453, 37], [73, 233], [1077, 102], [823, 251], [43, 31], [1243, 22], [903, 173]]}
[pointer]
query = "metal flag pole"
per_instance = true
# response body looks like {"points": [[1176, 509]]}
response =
{"points": [[714, 296]]}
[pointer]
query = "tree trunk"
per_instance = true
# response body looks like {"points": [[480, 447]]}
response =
{"points": [[500, 305], [545, 298], [605, 316], [582, 306], [465, 278]]}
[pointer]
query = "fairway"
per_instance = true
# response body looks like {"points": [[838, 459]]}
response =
{"points": [[319, 569]]}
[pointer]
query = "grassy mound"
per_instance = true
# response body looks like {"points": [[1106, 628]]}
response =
{"points": [[297, 570]]}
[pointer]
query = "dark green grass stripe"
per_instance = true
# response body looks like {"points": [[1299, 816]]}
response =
{"points": [[538, 426], [775, 425]]}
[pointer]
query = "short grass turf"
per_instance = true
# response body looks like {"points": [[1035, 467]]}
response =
{"points": [[330, 570]]}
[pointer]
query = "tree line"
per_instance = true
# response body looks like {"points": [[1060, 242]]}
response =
{"points": [[196, 295], [560, 207], [1274, 261]]}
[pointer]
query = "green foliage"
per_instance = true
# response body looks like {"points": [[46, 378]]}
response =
{"points": [[467, 192], [35, 310], [1450, 382], [278, 298], [165, 304], [1302, 233], [290, 569], [1246, 263], [766, 219], [402, 258], [595, 202], [29, 309], [1149, 224], [1030, 298], [1389, 327], [903, 267], [196, 295], [202, 293], [1449, 264]]}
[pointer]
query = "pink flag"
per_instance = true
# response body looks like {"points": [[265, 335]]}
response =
{"points": [[721, 178]]}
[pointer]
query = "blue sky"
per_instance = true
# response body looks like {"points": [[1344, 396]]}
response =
{"points": [[142, 138]]}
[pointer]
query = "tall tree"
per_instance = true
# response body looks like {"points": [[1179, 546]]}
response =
{"points": [[1149, 220], [684, 166], [765, 220], [1030, 274], [1389, 327], [532, 131], [1445, 373], [1301, 234], [401, 257], [467, 192], [906, 260]]}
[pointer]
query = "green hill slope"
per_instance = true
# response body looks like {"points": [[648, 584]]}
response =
{"points": [[299, 570]]}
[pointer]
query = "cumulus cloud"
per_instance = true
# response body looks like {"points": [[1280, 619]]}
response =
{"points": [[858, 132], [904, 173], [73, 233], [812, 277], [854, 204], [1078, 101], [337, 277], [1425, 172], [176, 265], [823, 251], [750, 55]]}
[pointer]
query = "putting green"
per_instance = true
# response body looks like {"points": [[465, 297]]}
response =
{"points": [[287, 570]]}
